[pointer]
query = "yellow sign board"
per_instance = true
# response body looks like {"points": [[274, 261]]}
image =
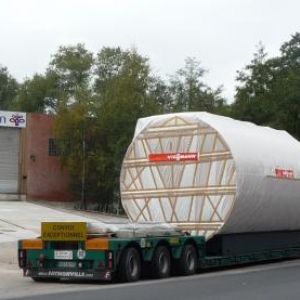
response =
{"points": [[64, 231]]}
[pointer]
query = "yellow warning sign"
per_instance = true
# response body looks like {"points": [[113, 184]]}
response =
{"points": [[64, 231]]}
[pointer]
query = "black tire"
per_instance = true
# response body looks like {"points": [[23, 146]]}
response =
{"points": [[161, 263], [129, 269], [187, 264]]}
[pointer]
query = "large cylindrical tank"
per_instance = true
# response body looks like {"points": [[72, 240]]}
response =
{"points": [[210, 174]]}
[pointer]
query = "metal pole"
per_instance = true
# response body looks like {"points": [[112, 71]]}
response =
{"points": [[83, 202]]}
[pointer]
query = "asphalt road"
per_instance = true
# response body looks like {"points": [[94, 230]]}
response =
{"points": [[21, 219], [269, 281]]}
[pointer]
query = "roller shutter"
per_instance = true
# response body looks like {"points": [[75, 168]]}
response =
{"points": [[9, 160]]}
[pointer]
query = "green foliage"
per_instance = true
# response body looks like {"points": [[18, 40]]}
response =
{"points": [[269, 89], [96, 103], [95, 118], [8, 90], [70, 72], [189, 93], [97, 99], [72, 66], [251, 101], [32, 95], [123, 87]]}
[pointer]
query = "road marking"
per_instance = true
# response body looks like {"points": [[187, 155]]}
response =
{"points": [[11, 223]]}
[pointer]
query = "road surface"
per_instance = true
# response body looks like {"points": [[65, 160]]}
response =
{"points": [[269, 281], [20, 220]]}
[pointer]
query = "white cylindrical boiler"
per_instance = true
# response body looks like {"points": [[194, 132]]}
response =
{"points": [[210, 174]]}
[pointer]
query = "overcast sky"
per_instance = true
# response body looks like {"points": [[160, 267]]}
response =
{"points": [[221, 34]]}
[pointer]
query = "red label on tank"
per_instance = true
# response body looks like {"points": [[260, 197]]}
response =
{"points": [[163, 157], [282, 173]]}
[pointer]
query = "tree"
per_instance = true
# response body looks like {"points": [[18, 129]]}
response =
{"points": [[161, 94], [252, 100], [125, 93], [73, 67], [8, 90], [269, 89], [96, 114], [286, 87], [70, 70], [33, 94], [188, 91], [74, 131], [70, 96]]}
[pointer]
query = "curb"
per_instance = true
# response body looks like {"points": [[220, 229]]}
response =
{"points": [[12, 197]]}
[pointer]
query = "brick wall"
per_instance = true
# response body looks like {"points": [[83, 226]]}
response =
{"points": [[43, 177]]}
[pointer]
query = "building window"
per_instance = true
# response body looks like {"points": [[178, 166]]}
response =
{"points": [[57, 148], [53, 147]]}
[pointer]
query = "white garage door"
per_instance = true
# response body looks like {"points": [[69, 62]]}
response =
{"points": [[9, 160]]}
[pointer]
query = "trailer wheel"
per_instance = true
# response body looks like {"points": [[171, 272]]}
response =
{"points": [[130, 265], [187, 264], [161, 263]]}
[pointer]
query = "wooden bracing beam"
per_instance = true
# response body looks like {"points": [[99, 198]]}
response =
{"points": [[147, 181]]}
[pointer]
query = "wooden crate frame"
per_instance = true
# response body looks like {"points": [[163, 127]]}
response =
{"points": [[175, 135]]}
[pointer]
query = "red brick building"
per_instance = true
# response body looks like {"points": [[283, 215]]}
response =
{"points": [[29, 167]]}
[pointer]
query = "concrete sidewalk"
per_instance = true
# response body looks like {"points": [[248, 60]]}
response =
{"points": [[20, 219]]}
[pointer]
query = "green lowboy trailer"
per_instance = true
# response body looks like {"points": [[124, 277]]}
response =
{"points": [[65, 250]]}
